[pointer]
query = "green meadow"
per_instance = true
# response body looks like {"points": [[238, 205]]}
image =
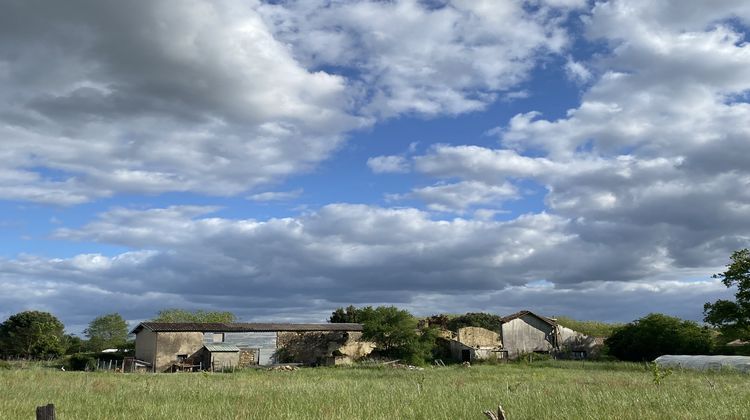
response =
{"points": [[541, 390]]}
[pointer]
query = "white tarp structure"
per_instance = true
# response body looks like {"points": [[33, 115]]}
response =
{"points": [[740, 363]]}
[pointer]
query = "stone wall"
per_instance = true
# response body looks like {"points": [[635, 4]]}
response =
{"points": [[477, 337], [171, 344], [248, 357], [317, 347], [577, 345]]}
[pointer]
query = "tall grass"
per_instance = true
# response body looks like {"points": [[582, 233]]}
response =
{"points": [[545, 390]]}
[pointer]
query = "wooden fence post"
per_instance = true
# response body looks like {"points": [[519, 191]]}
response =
{"points": [[45, 412], [499, 416]]}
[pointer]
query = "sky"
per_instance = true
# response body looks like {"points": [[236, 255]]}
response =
{"points": [[280, 159]]}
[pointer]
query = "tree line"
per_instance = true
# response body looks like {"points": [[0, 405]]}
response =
{"points": [[37, 334]]}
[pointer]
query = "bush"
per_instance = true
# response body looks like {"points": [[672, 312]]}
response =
{"points": [[655, 335], [476, 319], [82, 361]]}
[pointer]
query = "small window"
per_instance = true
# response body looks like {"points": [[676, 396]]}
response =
{"points": [[579, 355], [181, 357]]}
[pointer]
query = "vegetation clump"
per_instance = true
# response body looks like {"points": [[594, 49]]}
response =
{"points": [[32, 334], [657, 334], [733, 317], [394, 331]]}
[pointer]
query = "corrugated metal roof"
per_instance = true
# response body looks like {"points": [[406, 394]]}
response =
{"points": [[242, 327], [221, 347], [522, 313]]}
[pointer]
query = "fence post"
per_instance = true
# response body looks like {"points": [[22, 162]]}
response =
{"points": [[45, 412]]}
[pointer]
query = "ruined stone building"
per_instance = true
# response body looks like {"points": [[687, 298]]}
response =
{"points": [[476, 343], [168, 346], [521, 333]]}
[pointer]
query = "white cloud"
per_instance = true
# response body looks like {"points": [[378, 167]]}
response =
{"points": [[100, 98], [345, 254], [458, 197], [415, 58], [276, 195], [577, 71], [654, 157], [388, 164]]}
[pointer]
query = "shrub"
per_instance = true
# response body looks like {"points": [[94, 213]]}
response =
{"points": [[656, 334], [82, 361], [475, 319]]}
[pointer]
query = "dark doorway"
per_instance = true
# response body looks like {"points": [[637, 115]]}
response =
{"points": [[466, 355]]}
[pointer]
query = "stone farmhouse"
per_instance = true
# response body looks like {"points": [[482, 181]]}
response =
{"points": [[163, 346], [522, 333]]}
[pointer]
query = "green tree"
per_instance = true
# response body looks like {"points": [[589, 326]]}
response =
{"points": [[32, 334], [733, 318], [107, 331], [395, 333], [476, 319], [182, 315], [657, 334], [73, 344], [350, 314]]}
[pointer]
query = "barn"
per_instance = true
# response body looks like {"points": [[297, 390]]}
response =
{"points": [[178, 346], [526, 332]]}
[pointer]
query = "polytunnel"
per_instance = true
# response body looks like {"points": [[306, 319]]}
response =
{"points": [[740, 363]]}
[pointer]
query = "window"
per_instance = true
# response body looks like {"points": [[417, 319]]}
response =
{"points": [[181, 358]]}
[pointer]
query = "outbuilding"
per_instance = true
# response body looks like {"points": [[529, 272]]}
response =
{"points": [[220, 356]]}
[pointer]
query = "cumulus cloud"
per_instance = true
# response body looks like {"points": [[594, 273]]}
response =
{"points": [[105, 97], [651, 165], [460, 196], [100, 97], [645, 183], [388, 164], [276, 195], [421, 57], [338, 255], [577, 71]]}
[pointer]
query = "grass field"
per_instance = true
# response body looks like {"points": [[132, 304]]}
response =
{"points": [[543, 390]]}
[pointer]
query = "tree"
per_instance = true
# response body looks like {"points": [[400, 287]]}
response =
{"points": [[182, 315], [733, 318], [657, 334], [393, 330], [32, 334], [476, 319], [350, 314], [107, 331], [72, 344]]}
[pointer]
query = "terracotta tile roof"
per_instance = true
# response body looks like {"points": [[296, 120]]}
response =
{"points": [[241, 327]]}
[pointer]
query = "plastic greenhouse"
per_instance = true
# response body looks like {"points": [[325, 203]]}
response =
{"points": [[740, 363]]}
